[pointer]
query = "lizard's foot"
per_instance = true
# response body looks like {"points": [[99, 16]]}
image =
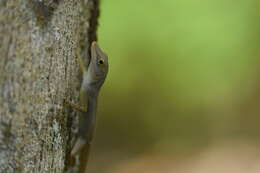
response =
{"points": [[74, 106], [78, 146]]}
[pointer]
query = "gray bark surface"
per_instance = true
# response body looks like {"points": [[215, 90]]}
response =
{"points": [[38, 70]]}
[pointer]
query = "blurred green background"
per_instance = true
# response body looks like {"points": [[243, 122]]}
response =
{"points": [[184, 75]]}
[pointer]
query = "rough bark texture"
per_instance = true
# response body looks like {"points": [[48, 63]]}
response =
{"points": [[38, 70]]}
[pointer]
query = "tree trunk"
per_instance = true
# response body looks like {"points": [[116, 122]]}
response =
{"points": [[38, 70]]}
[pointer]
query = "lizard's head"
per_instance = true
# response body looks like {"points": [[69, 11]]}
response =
{"points": [[99, 61], [98, 64]]}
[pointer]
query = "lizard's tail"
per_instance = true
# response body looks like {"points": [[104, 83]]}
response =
{"points": [[84, 158]]}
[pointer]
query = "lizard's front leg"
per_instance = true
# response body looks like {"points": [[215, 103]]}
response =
{"points": [[74, 106], [83, 68]]}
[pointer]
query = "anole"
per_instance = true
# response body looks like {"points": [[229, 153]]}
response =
{"points": [[94, 76]]}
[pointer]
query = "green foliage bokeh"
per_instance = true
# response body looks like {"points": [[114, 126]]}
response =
{"points": [[179, 72]]}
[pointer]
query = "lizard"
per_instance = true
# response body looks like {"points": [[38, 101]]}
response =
{"points": [[94, 76]]}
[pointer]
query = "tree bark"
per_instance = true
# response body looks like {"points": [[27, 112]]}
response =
{"points": [[39, 41]]}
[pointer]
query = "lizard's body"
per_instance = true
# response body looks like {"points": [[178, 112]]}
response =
{"points": [[93, 78]]}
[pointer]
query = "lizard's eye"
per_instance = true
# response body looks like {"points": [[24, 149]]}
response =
{"points": [[101, 61]]}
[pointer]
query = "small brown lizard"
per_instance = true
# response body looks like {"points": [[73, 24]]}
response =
{"points": [[93, 78]]}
